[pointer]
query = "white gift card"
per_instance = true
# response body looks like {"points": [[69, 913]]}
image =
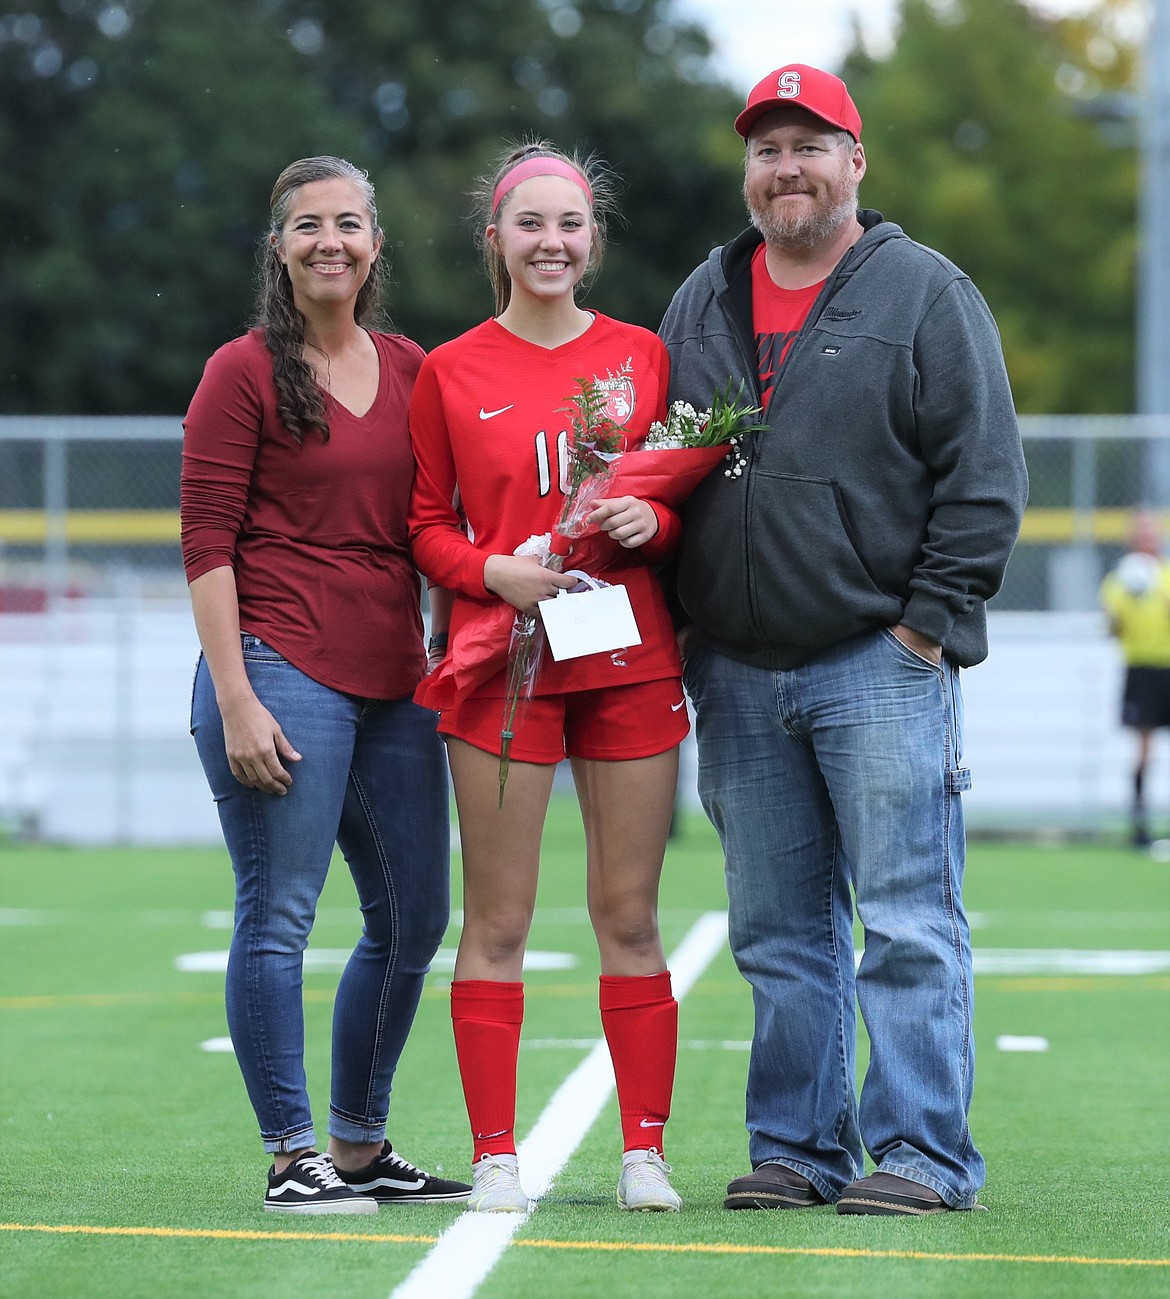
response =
{"points": [[589, 622]]}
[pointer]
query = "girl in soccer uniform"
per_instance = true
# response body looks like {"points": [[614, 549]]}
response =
{"points": [[489, 428]]}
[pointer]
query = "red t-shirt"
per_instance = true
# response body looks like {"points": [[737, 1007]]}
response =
{"points": [[777, 315], [488, 428], [316, 533]]}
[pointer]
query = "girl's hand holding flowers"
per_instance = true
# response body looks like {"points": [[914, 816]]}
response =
{"points": [[523, 581], [629, 521]]}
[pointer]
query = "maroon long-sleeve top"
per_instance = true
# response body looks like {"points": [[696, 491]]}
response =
{"points": [[315, 532]]}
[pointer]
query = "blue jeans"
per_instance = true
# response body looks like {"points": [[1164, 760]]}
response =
{"points": [[835, 781], [373, 779]]}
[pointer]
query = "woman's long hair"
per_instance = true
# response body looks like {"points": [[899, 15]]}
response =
{"points": [[600, 180], [299, 399]]}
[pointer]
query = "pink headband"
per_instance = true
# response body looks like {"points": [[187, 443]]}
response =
{"points": [[538, 167]]}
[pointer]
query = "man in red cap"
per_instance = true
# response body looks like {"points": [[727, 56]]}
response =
{"points": [[832, 592]]}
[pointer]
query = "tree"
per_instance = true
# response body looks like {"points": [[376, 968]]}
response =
{"points": [[1002, 163], [134, 193], [141, 139], [151, 132]]}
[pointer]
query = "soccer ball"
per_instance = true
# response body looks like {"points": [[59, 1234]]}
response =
{"points": [[1138, 573]]}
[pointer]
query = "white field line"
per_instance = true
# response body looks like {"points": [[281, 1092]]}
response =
{"points": [[999, 961], [467, 1251]]}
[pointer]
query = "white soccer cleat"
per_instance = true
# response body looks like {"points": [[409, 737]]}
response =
{"points": [[496, 1186], [644, 1185]]}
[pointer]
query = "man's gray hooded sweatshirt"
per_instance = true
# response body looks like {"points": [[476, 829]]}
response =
{"points": [[890, 483]]}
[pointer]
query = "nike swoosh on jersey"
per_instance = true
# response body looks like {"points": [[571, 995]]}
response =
{"points": [[491, 414]]}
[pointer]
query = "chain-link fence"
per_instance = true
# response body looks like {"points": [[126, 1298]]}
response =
{"points": [[89, 507], [1087, 476], [97, 644]]}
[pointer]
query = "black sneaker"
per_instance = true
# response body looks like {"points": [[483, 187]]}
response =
{"points": [[310, 1185], [389, 1179]]}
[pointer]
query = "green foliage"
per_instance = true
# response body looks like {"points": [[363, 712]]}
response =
{"points": [[135, 192], [151, 132], [986, 140], [142, 138]]}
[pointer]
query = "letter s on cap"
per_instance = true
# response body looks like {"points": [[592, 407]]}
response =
{"points": [[788, 87]]}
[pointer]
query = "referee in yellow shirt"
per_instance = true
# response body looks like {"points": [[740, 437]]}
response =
{"points": [[1136, 596]]}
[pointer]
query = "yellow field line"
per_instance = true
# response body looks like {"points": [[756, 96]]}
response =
{"points": [[51, 1001], [1043, 525], [1075, 983], [213, 1233], [594, 1246]]}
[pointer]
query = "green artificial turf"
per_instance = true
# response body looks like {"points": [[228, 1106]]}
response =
{"points": [[118, 1128]]}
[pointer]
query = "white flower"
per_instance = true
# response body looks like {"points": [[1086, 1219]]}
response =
{"points": [[726, 423]]}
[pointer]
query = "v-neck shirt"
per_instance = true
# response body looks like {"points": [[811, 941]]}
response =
{"points": [[315, 532]]}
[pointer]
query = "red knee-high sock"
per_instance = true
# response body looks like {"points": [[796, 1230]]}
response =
{"points": [[487, 1016], [639, 1016]]}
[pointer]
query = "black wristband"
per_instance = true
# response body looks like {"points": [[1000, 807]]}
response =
{"points": [[437, 642]]}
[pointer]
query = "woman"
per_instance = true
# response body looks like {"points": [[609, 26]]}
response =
{"points": [[296, 475], [487, 418]]}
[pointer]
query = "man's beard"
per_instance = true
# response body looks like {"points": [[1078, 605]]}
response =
{"points": [[804, 229]]}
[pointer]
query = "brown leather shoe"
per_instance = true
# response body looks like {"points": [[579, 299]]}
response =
{"points": [[889, 1195], [772, 1186]]}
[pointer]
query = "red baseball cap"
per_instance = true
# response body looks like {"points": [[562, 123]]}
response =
{"points": [[820, 93]]}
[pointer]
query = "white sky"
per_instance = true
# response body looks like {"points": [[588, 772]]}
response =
{"points": [[754, 36]]}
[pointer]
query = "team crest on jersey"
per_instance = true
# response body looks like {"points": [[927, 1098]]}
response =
{"points": [[620, 395]]}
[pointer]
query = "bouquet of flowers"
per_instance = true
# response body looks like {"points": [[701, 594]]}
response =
{"points": [[597, 468], [595, 445], [666, 467], [657, 471]]}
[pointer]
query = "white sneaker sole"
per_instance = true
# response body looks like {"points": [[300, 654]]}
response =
{"points": [[499, 1208], [343, 1206]]}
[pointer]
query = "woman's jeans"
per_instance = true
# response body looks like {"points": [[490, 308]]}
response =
{"points": [[842, 777], [373, 779]]}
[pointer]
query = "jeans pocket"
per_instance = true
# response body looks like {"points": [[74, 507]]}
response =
{"points": [[194, 686], [256, 651], [958, 780], [692, 668], [919, 660]]}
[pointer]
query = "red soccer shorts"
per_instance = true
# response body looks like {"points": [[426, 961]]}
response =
{"points": [[611, 724]]}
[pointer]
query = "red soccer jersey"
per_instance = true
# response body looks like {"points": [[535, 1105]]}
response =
{"points": [[489, 426], [316, 533]]}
